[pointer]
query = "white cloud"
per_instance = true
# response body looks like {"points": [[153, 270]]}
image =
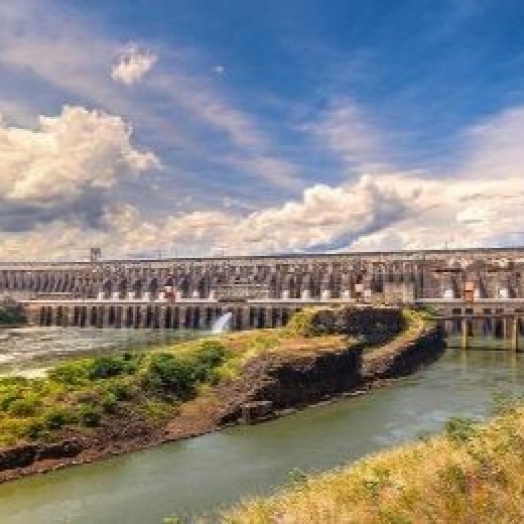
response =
{"points": [[219, 69], [480, 204], [494, 147], [67, 155], [188, 113], [253, 150], [391, 211], [133, 63], [63, 158], [347, 132]]}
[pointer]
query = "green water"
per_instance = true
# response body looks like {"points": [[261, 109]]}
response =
{"points": [[199, 475]]}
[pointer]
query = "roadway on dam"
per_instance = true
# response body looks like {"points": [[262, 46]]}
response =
{"points": [[199, 475]]}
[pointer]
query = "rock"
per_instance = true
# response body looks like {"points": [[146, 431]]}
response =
{"points": [[18, 457], [65, 449], [292, 382], [255, 412]]}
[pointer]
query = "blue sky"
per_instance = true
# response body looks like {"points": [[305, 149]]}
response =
{"points": [[203, 126]]}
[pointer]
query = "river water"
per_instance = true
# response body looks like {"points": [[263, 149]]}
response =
{"points": [[30, 350], [200, 475]]}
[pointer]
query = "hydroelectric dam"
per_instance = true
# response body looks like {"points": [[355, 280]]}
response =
{"points": [[474, 291]]}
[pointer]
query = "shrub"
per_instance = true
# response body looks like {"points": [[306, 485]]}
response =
{"points": [[58, 417], [120, 390], [211, 352], [106, 367], [206, 359], [90, 415], [35, 430], [24, 407], [460, 429], [11, 389], [312, 322], [8, 398], [112, 366], [109, 402], [71, 373], [169, 376]]}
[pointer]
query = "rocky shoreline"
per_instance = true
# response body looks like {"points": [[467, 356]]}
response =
{"points": [[271, 385]]}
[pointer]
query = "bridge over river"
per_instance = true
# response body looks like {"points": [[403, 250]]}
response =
{"points": [[475, 291]]}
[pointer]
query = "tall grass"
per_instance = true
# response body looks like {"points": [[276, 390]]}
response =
{"points": [[470, 474]]}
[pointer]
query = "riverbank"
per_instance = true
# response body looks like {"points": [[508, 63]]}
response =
{"points": [[162, 407], [471, 473]]}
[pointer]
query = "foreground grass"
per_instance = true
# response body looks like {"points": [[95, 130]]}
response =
{"points": [[471, 474]]}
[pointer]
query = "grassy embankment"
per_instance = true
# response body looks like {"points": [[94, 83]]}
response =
{"points": [[470, 474], [78, 396]]}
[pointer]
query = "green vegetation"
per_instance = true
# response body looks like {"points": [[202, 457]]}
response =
{"points": [[312, 322], [472, 473], [81, 393], [10, 315]]}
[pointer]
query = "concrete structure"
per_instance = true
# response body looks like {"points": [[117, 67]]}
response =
{"points": [[158, 315], [264, 291]]}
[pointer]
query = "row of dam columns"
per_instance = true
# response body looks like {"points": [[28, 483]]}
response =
{"points": [[507, 328], [160, 316]]}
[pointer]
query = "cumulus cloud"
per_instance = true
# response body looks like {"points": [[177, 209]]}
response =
{"points": [[67, 154], [64, 165], [391, 211], [189, 113], [466, 212], [133, 63]]}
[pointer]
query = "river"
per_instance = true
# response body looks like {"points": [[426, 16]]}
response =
{"points": [[200, 475], [30, 350]]}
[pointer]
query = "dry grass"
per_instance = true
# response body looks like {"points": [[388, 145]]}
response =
{"points": [[278, 340], [470, 475]]}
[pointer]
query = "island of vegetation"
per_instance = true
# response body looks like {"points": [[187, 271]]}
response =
{"points": [[471, 473], [90, 408]]}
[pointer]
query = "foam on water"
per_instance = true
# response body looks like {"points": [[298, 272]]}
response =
{"points": [[222, 324]]}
